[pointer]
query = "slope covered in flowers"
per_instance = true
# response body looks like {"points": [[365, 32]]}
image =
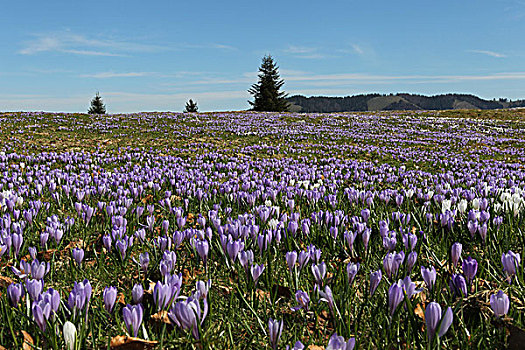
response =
{"points": [[261, 230]]}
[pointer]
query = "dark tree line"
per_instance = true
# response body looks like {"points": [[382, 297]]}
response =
{"points": [[321, 104]]}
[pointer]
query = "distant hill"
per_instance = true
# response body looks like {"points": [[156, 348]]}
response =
{"points": [[378, 102]]}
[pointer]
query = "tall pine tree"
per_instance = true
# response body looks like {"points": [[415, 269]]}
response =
{"points": [[266, 92], [97, 105]]}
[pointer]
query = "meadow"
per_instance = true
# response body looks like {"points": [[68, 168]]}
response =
{"points": [[244, 230]]}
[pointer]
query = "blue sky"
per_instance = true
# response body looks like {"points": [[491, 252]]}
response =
{"points": [[155, 55]]}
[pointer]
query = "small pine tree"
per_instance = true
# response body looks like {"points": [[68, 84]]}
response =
{"points": [[97, 105], [266, 92], [191, 107]]}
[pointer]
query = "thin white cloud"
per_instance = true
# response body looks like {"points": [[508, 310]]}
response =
{"points": [[299, 49], [105, 75], [72, 43], [358, 49], [489, 53], [305, 52], [91, 53]]}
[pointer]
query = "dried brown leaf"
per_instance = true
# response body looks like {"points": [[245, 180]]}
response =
{"points": [[123, 342], [161, 316], [28, 341]]}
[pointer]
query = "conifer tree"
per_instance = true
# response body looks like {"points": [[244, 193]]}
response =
{"points": [[97, 105], [191, 107], [266, 92]]}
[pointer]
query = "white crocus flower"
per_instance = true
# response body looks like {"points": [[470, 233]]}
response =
{"points": [[445, 205], [70, 335], [462, 206]]}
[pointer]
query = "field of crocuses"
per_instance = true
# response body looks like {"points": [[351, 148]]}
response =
{"points": [[262, 230]]}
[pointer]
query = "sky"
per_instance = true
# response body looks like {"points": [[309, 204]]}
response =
{"points": [[156, 55]]}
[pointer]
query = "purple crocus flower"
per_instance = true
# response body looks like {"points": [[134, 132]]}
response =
{"points": [[499, 303], [17, 240], [350, 236], [338, 343], [233, 248], [39, 269], [52, 297], [470, 267], [434, 319], [297, 346], [409, 241], [109, 296], [395, 296], [144, 261], [510, 262], [366, 237], [365, 214], [202, 248], [458, 285], [275, 329], [34, 288], [107, 242], [162, 295], [411, 261], [351, 271], [78, 255], [482, 230], [302, 299], [132, 315], [319, 272], [187, 315], [375, 278], [429, 276], [456, 253], [41, 311], [32, 252], [292, 227], [246, 260], [80, 295], [137, 293], [256, 271], [202, 289], [472, 227], [303, 259], [122, 246], [327, 296], [15, 292], [291, 258], [391, 263], [409, 287]]}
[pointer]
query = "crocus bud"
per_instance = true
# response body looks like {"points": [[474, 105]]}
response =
{"points": [[470, 267], [110, 296], [456, 253], [137, 293], [510, 262], [78, 255], [291, 258], [429, 276], [375, 278], [275, 330], [499, 303], [351, 271], [132, 315], [70, 335], [395, 296], [257, 270], [434, 318], [15, 292]]}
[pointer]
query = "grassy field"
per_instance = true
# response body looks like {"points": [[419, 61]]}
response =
{"points": [[261, 230]]}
